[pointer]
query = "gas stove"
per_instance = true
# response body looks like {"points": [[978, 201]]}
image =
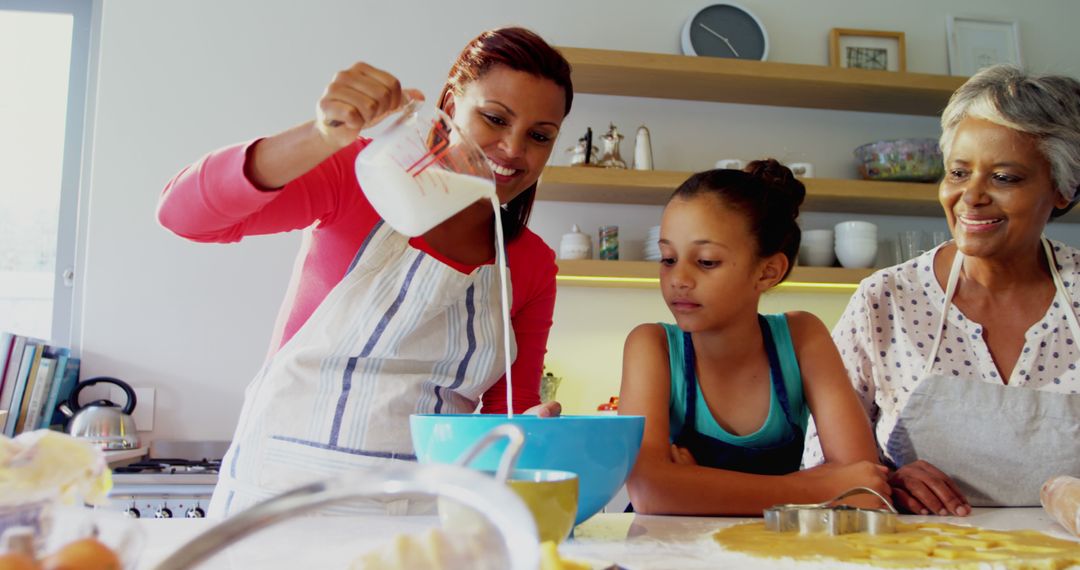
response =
{"points": [[164, 470], [176, 479]]}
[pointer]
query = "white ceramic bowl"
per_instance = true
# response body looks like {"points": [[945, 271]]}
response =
{"points": [[855, 227], [816, 256], [817, 237], [856, 252]]}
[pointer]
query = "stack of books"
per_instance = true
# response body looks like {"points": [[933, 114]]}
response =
{"points": [[35, 378]]}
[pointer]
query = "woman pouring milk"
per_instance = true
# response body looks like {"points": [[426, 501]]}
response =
{"points": [[966, 357], [376, 326]]}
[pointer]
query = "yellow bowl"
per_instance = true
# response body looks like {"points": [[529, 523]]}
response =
{"points": [[552, 498], [550, 495]]}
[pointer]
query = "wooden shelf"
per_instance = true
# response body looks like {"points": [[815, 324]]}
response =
{"points": [[644, 275], [669, 76], [654, 187], [666, 76]]}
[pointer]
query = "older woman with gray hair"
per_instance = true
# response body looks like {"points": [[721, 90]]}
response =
{"points": [[966, 357]]}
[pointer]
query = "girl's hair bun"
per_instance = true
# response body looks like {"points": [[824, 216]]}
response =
{"points": [[785, 191], [766, 193]]}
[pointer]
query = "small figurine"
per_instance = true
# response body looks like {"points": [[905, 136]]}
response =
{"points": [[589, 148], [610, 158], [584, 151]]}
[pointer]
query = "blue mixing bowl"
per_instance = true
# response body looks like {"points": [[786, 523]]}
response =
{"points": [[600, 449]]}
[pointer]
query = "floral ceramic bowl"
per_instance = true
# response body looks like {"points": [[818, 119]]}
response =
{"points": [[910, 160]]}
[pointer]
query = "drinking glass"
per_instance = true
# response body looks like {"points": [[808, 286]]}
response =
{"points": [[912, 244]]}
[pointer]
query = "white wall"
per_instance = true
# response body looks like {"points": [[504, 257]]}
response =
{"points": [[177, 79]]}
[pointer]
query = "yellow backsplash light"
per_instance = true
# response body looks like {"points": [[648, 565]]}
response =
{"points": [[600, 280]]}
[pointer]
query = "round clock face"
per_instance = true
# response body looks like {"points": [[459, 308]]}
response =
{"points": [[725, 30]]}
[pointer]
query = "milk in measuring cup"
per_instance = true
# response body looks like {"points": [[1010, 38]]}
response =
{"points": [[412, 205]]}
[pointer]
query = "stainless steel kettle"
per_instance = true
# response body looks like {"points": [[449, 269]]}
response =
{"points": [[102, 422]]}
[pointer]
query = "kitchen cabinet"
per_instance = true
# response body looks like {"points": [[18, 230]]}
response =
{"points": [[668, 76]]}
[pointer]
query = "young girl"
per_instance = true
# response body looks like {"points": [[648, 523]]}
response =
{"points": [[727, 392]]}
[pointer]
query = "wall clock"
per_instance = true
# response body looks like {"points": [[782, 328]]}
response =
{"points": [[724, 29]]}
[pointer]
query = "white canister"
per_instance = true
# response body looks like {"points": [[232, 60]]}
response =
{"points": [[642, 150], [575, 245]]}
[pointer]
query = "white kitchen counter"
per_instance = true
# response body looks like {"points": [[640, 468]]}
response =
{"points": [[637, 542]]}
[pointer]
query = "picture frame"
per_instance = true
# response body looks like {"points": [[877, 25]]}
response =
{"points": [[975, 43], [867, 49]]}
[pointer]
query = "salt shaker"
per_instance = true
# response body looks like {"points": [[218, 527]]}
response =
{"points": [[642, 150]]}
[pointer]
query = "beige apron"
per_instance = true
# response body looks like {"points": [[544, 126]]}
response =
{"points": [[402, 333], [999, 443]]}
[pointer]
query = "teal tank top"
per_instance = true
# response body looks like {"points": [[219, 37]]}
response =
{"points": [[775, 428]]}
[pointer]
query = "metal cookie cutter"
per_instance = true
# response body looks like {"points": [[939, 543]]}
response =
{"points": [[832, 519]]}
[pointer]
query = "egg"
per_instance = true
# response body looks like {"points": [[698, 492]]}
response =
{"points": [[17, 561], [85, 554]]}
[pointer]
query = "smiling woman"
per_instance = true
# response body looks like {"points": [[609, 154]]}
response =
{"points": [[936, 347], [377, 326]]}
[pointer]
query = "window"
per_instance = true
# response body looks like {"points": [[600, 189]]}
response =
{"points": [[44, 54]]}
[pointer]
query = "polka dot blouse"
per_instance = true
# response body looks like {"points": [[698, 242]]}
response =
{"points": [[887, 331]]}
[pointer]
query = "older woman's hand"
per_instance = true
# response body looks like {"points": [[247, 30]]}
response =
{"points": [[546, 410], [921, 488]]}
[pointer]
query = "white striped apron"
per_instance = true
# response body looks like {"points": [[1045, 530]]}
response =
{"points": [[402, 333]]}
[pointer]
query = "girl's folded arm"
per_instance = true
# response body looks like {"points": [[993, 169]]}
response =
{"points": [[842, 425]]}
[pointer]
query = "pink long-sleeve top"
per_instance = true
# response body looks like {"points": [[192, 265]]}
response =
{"points": [[212, 200]]}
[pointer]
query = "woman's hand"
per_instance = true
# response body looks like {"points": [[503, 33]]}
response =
{"points": [[923, 489], [357, 98], [550, 409]]}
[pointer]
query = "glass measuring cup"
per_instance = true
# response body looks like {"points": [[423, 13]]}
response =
{"points": [[420, 169]]}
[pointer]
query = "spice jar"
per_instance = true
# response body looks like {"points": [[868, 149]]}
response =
{"points": [[609, 242]]}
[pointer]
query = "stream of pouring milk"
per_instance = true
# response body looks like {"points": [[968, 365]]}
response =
{"points": [[500, 255]]}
